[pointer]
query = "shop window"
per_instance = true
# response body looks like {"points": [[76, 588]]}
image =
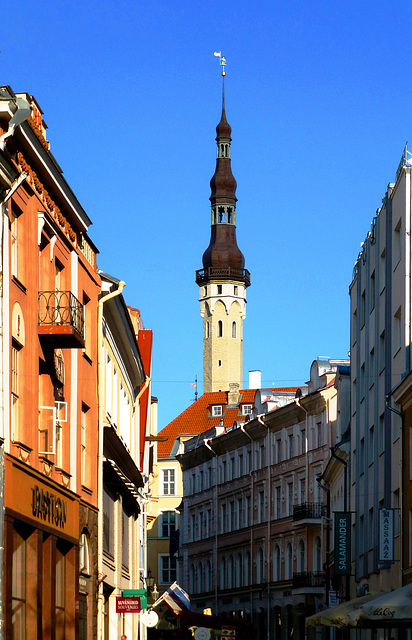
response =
{"points": [[18, 595], [60, 594]]}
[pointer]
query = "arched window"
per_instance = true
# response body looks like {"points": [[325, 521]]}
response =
{"points": [[317, 554], [246, 570], [301, 556], [239, 571], [84, 557], [260, 566], [222, 573], [288, 562], [230, 572], [219, 329], [233, 329], [276, 563]]}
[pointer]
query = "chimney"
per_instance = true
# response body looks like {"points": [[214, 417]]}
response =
{"points": [[233, 395], [255, 379]]}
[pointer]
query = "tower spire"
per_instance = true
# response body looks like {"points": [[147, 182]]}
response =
{"points": [[223, 279]]}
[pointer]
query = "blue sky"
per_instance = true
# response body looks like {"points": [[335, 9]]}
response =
{"points": [[318, 97]]}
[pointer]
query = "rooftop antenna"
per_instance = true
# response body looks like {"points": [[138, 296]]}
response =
{"points": [[222, 59]]}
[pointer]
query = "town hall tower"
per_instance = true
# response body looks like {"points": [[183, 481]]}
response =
{"points": [[223, 279]]}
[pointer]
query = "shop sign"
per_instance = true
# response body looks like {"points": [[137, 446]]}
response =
{"points": [[386, 545], [342, 543], [49, 507], [128, 605], [228, 631]]}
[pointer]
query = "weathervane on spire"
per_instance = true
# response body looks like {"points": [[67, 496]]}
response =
{"points": [[222, 59]]}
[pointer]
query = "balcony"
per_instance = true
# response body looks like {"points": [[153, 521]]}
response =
{"points": [[61, 319], [309, 579], [309, 511], [223, 273]]}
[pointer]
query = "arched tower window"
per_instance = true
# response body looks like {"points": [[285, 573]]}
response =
{"points": [[219, 329], [233, 329], [229, 215], [221, 214]]}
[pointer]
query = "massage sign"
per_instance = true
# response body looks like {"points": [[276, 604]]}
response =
{"points": [[49, 507]]}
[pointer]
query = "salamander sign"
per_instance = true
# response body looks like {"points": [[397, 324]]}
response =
{"points": [[342, 543]]}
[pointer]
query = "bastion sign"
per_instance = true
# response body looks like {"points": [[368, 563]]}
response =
{"points": [[49, 507], [342, 543]]}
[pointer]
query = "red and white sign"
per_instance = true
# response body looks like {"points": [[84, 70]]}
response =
{"points": [[128, 605], [228, 631]]}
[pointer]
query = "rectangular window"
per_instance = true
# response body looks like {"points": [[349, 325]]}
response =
{"points": [[291, 450], [14, 394], [247, 409], [382, 352], [382, 270], [168, 482], [108, 523], [397, 240], [261, 506], [87, 324], [168, 523], [217, 410], [248, 512], [397, 331], [240, 464], [372, 292], [290, 498], [278, 502], [168, 569], [83, 450], [278, 450], [223, 520], [362, 310], [125, 540], [13, 245]]}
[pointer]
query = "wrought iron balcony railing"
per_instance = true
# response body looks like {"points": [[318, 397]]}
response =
{"points": [[61, 315], [223, 273], [309, 579], [309, 510]]}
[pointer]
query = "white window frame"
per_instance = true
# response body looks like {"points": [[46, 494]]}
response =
{"points": [[217, 410], [166, 481], [247, 409]]}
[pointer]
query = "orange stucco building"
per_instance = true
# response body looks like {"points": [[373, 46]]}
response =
{"points": [[49, 392]]}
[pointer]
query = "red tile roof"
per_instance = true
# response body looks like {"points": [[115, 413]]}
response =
{"points": [[198, 418]]}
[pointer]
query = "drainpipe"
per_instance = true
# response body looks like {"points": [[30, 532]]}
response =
{"points": [[401, 414], [268, 460], [4, 370], [100, 396], [242, 428], [206, 443]]}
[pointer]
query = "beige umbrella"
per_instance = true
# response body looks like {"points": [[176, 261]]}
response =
{"points": [[339, 616], [393, 607]]}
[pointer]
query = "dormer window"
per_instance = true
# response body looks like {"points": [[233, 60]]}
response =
{"points": [[247, 409], [217, 410]]}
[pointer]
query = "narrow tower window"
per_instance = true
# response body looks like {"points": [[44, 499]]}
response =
{"points": [[219, 329], [229, 215], [233, 329], [221, 214], [207, 330], [235, 290], [219, 289]]}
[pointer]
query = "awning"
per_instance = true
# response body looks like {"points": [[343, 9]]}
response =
{"points": [[339, 616], [390, 609]]}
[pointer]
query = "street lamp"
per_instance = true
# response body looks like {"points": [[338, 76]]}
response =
{"points": [[151, 585]]}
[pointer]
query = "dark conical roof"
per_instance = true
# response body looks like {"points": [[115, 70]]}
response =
{"points": [[223, 129]]}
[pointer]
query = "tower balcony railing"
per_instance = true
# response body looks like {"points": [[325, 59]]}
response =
{"points": [[223, 273], [61, 319], [308, 579], [309, 511]]}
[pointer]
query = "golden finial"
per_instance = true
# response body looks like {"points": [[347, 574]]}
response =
{"points": [[222, 59]]}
